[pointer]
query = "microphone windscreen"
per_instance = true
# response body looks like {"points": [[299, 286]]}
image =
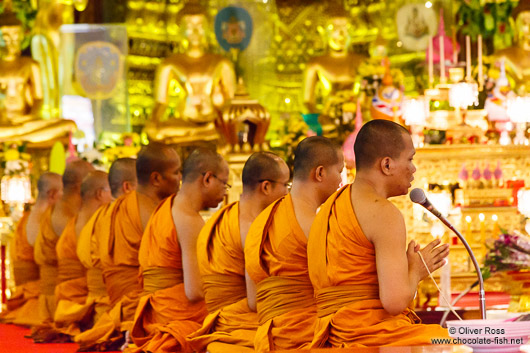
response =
{"points": [[418, 196]]}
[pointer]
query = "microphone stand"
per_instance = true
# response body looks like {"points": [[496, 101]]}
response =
{"points": [[481, 293]]}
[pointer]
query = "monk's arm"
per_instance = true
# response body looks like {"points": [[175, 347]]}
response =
{"points": [[399, 270], [187, 235]]}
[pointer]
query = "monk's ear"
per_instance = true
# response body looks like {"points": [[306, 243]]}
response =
{"points": [[265, 187], [386, 166], [53, 194], [206, 177], [99, 193], [155, 178], [319, 173], [127, 187]]}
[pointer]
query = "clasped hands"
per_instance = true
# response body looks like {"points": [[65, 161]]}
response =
{"points": [[433, 254]]}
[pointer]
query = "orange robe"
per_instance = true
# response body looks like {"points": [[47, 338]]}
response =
{"points": [[22, 307], [343, 271], [222, 265], [71, 291], [164, 316], [276, 260], [119, 232], [46, 258], [88, 253], [119, 243]]}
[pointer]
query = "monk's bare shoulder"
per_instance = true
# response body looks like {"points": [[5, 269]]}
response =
{"points": [[377, 216], [188, 224]]}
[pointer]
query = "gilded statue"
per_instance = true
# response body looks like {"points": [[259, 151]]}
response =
{"points": [[517, 57], [334, 75], [45, 44], [21, 92], [207, 80]]}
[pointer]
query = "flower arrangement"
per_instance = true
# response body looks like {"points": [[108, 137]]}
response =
{"points": [[509, 252], [14, 161], [128, 145]]}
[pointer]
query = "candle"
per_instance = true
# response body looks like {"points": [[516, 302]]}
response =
{"points": [[442, 59], [482, 218], [496, 228], [480, 74], [468, 228], [468, 58], [455, 53], [431, 60]]}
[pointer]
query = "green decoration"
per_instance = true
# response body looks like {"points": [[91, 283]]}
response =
{"points": [[492, 20], [26, 13]]}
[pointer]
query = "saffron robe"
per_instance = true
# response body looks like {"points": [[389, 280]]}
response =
{"points": [[119, 234], [88, 254], [164, 316], [46, 257], [22, 306], [222, 266], [276, 260], [71, 291], [342, 267]]}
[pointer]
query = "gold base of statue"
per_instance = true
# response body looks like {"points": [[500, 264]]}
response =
{"points": [[236, 162], [174, 132]]}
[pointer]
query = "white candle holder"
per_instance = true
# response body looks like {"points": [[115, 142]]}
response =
{"points": [[518, 110], [415, 115]]}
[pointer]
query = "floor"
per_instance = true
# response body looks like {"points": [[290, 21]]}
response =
{"points": [[12, 340]]}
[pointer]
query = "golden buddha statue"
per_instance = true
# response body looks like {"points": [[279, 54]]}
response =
{"points": [[207, 80], [517, 57], [45, 50], [21, 88], [334, 74]]}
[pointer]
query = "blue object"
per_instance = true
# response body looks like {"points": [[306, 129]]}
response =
{"points": [[312, 121], [233, 28]]}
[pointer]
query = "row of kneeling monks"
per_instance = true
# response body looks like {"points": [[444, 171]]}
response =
{"points": [[124, 260]]}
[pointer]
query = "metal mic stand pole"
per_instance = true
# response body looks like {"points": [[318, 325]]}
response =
{"points": [[481, 293]]}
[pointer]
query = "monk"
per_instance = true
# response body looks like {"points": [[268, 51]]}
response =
{"points": [[71, 291], [275, 249], [158, 172], [23, 305], [172, 306], [364, 274], [53, 222], [122, 180], [222, 260]]}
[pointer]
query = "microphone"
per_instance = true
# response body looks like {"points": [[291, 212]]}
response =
{"points": [[418, 196]]}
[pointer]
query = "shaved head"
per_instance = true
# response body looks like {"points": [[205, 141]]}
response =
{"points": [[75, 172], [312, 152], [261, 166], [378, 139], [47, 182], [200, 161], [155, 157], [93, 182], [121, 170]]}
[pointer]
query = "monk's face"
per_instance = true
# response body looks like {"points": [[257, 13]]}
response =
{"points": [[404, 168], [170, 177], [106, 195], [218, 188], [333, 175], [280, 186]]}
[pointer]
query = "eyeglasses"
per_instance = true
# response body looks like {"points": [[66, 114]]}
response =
{"points": [[288, 184], [227, 186]]}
